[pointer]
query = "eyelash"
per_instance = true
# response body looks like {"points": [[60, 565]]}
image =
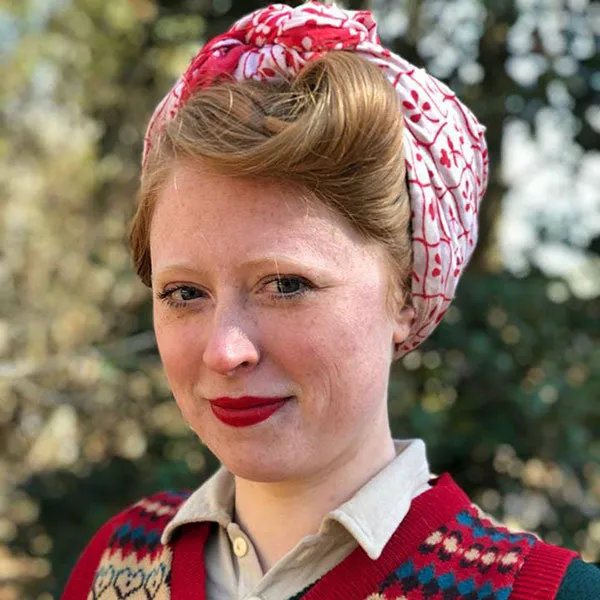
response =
{"points": [[307, 286], [167, 294]]}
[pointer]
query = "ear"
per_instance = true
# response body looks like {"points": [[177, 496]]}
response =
{"points": [[402, 325]]}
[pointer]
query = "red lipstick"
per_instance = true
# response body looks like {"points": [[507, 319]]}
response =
{"points": [[246, 410]]}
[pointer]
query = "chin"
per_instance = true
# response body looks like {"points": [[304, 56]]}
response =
{"points": [[260, 473], [261, 462]]}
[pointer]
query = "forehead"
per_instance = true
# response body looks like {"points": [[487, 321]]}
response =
{"points": [[200, 211]]}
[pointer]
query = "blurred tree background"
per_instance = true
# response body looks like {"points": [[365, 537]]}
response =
{"points": [[505, 394]]}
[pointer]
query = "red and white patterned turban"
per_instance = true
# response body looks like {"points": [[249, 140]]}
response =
{"points": [[446, 152]]}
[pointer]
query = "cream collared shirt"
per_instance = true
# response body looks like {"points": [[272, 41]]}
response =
{"points": [[368, 519]]}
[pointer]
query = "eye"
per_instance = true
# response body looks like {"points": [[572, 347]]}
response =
{"points": [[181, 295], [289, 285]]}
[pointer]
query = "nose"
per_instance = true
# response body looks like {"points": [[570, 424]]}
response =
{"points": [[230, 347]]}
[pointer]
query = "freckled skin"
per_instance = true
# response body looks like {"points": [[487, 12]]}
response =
{"points": [[330, 348]]}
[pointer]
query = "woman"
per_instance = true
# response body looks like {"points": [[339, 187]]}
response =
{"points": [[308, 202]]}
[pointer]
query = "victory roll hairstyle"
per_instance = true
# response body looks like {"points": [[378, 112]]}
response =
{"points": [[334, 131]]}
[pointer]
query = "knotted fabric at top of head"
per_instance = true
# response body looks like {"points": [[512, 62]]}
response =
{"points": [[444, 144]]}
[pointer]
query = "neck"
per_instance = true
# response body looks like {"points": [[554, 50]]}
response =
{"points": [[261, 507]]}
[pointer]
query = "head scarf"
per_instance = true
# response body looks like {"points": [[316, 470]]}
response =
{"points": [[445, 148]]}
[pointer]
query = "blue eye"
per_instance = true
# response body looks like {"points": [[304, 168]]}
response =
{"points": [[181, 295], [288, 286], [186, 293]]}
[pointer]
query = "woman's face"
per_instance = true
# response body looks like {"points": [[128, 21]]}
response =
{"points": [[262, 297]]}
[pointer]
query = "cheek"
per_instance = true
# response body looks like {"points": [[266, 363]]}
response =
{"points": [[180, 349], [358, 328], [343, 348]]}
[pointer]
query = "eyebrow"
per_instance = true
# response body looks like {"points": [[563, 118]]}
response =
{"points": [[277, 260], [174, 267], [285, 261]]}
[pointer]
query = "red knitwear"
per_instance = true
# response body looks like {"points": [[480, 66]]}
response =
{"points": [[444, 549]]}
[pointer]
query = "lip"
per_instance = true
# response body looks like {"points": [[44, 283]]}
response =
{"points": [[246, 410]]}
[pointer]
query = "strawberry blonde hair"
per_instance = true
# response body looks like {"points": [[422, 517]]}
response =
{"points": [[334, 131]]}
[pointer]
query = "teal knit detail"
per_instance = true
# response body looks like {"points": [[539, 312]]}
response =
{"points": [[581, 582]]}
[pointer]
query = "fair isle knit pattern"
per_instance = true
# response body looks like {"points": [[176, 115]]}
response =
{"points": [[135, 565], [445, 549], [468, 558]]}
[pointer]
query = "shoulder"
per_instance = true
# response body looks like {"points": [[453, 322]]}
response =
{"points": [[515, 561], [581, 582], [148, 516], [137, 529], [140, 525]]}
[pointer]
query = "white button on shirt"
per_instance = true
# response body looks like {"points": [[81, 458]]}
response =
{"points": [[240, 547], [368, 519]]}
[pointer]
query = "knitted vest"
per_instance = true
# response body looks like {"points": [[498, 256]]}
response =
{"points": [[444, 549]]}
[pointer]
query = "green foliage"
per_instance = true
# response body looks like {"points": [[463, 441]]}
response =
{"points": [[503, 395]]}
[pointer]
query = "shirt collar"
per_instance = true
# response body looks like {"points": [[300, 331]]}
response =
{"points": [[374, 512], [212, 501], [371, 516]]}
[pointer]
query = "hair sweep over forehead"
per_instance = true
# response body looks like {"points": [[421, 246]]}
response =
{"points": [[335, 131]]}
